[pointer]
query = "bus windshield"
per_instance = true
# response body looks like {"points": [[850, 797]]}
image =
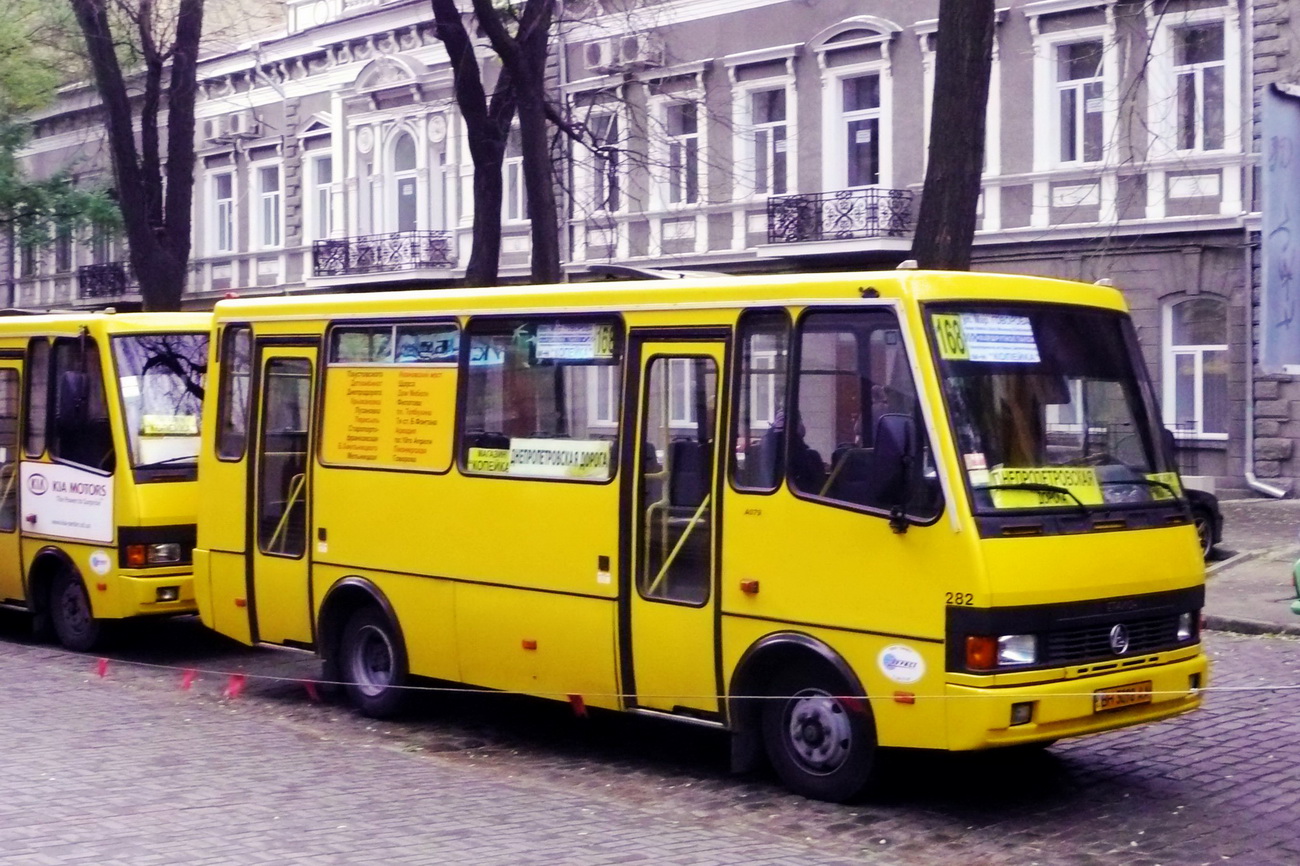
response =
{"points": [[162, 380], [1049, 407]]}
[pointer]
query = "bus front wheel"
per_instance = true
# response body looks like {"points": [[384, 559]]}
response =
{"points": [[74, 622], [821, 746], [372, 664]]}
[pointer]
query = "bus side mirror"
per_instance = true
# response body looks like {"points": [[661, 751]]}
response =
{"points": [[71, 399], [896, 453]]}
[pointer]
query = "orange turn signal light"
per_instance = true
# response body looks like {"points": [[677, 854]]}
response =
{"points": [[136, 555], [981, 652]]}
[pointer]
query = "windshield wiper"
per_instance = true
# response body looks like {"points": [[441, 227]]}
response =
{"points": [[1037, 488], [194, 458]]}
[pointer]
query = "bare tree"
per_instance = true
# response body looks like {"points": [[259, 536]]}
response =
{"points": [[524, 54], [945, 226], [487, 125], [154, 195]]}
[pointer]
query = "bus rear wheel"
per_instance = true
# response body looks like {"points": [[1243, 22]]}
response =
{"points": [[820, 746], [372, 664], [74, 622]]}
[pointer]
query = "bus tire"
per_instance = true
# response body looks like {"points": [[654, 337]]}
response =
{"points": [[820, 746], [372, 664], [70, 613]]}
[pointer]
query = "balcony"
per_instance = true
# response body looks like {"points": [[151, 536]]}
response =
{"points": [[106, 280], [383, 254], [841, 215]]}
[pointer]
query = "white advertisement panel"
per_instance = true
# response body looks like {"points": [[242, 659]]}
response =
{"points": [[67, 502]]}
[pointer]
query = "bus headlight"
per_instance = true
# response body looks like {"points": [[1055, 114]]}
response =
{"points": [[143, 555], [1017, 649], [1186, 626], [986, 653]]}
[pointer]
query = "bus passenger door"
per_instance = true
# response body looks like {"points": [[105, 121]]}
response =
{"points": [[671, 526], [279, 571], [11, 561]]}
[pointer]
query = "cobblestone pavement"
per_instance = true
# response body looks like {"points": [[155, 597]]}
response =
{"points": [[132, 769]]}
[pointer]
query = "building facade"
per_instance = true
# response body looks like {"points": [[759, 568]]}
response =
{"points": [[757, 135]]}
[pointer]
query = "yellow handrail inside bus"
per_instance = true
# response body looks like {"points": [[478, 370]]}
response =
{"points": [[295, 491], [690, 527]]}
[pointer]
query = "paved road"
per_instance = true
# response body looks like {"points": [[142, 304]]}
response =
{"points": [[131, 769]]}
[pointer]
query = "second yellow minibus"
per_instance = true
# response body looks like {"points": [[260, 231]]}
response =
{"points": [[828, 513], [99, 443]]}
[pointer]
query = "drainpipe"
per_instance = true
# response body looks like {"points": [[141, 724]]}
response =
{"points": [[1248, 58]]}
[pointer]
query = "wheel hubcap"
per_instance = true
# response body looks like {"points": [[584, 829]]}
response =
{"points": [[76, 613], [821, 733], [372, 662]]}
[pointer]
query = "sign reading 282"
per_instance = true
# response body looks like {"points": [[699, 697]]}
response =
{"points": [[952, 340]]}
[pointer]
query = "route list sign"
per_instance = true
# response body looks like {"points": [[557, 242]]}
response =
{"points": [[390, 416]]}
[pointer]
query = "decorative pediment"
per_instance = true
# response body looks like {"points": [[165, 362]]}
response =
{"points": [[385, 72], [855, 31]]}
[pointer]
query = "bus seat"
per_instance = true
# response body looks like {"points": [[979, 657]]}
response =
{"points": [[688, 472]]}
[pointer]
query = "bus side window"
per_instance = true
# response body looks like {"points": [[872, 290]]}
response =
{"points": [[38, 397], [232, 403], [81, 432], [854, 381], [542, 398], [758, 455], [8, 450]]}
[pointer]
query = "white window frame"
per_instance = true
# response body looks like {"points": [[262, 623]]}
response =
{"points": [[1170, 353], [1162, 102], [588, 164], [268, 234], [1079, 88], [743, 129], [320, 210], [1047, 99], [679, 373], [603, 384], [663, 146], [391, 210], [836, 120], [514, 208], [221, 234]]}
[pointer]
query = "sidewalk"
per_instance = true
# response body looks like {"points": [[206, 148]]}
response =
{"points": [[1248, 587]]}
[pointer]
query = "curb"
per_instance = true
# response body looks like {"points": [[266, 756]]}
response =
{"points": [[1251, 626]]}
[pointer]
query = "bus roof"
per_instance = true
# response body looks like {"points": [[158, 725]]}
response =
{"points": [[792, 289], [105, 322]]}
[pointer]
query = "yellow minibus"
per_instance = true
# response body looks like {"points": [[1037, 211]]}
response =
{"points": [[828, 513], [99, 442]]}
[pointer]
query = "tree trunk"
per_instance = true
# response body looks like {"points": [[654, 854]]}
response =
{"points": [[945, 227], [158, 232], [524, 55], [487, 125]]}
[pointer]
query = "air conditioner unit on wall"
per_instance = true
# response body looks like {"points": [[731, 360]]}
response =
{"points": [[214, 129], [243, 124], [599, 55], [640, 51]]}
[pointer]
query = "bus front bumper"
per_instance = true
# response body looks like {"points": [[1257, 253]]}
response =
{"points": [[981, 718], [156, 596]]}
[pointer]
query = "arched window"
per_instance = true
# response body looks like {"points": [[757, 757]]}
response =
{"points": [[1196, 367], [404, 179]]}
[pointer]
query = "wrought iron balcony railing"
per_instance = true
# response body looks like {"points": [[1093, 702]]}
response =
{"points": [[107, 280], [378, 254], [839, 215]]}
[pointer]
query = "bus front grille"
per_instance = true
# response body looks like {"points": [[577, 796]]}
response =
{"points": [[1093, 642]]}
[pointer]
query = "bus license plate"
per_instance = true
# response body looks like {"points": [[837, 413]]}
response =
{"points": [[1116, 697]]}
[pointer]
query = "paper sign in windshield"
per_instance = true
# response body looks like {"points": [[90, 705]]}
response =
{"points": [[545, 458], [1080, 481], [986, 337]]}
